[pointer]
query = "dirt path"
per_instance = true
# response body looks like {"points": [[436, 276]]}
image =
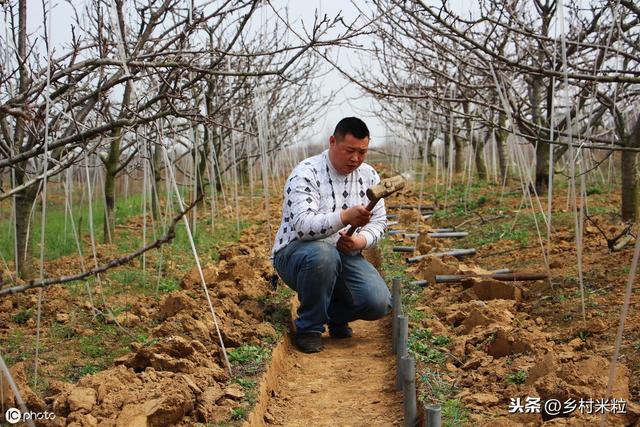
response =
{"points": [[349, 383]]}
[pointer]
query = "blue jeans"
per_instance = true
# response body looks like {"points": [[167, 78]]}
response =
{"points": [[332, 286]]}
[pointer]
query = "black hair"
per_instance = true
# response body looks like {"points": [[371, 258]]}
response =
{"points": [[352, 125]]}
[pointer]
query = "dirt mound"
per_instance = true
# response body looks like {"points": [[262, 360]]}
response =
{"points": [[410, 217], [174, 303], [499, 352], [176, 354], [565, 379], [31, 400], [489, 289], [429, 267], [178, 376], [426, 244], [122, 397], [486, 314]]}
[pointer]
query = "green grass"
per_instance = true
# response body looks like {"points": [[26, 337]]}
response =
{"points": [[62, 331], [168, 284], [453, 413], [441, 340], [59, 240], [461, 199], [127, 276], [422, 346], [75, 371], [436, 388], [92, 346], [248, 354], [249, 359], [16, 348], [277, 309], [207, 242], [89, 369], [245, 383], [503, 232], [518, 377], [594, 189], [23, 316], [239, 413]]}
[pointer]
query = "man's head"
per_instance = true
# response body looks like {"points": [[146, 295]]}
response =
{"points": [[348, 145]]}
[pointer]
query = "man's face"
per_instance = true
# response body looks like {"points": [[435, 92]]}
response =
{"points": [[348, 153]]}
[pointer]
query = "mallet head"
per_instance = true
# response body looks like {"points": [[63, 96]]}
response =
{"points": [[386, 187]]}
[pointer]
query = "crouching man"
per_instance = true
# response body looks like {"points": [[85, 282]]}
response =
{"points": [[313, 254]]}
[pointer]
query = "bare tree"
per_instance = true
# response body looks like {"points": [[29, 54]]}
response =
{"points": [[136, 65]]}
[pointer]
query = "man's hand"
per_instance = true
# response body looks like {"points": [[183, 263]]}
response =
{"points": [[356, 215], [350, 243]]}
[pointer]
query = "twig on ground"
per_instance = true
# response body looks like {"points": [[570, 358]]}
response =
{"points": [[482, 220], [492, 254], [611, 242]]}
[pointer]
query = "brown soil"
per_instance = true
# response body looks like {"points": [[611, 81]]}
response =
{"points": [[177, 377], [349, 383], [498, 329]]}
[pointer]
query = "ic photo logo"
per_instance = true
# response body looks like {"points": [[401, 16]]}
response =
{"points": [[14, 416]]}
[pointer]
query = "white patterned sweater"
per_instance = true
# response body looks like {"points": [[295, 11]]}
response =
{"points": [[315, 194]]}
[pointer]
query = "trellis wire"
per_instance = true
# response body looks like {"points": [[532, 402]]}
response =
{"points": [[623, 317], [198, 265], [522, 169], [263, 123], [572, 163], [5, 373], [44, 191]]}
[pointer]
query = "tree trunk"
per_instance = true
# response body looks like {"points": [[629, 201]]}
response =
{"points": [[155, 195], [478, 149], [111, 166], [200, 164], [501, 146], [542, 168], [430, 154], [628, 169], [481, 166], [25, 198], [629, 186], [445, 157], [24, 201], [458, 165]]}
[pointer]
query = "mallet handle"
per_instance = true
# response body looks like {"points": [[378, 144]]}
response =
{"points": [[370, 207]]}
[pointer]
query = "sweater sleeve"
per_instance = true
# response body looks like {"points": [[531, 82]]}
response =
{"points": [[374, 230], [303, 200]]}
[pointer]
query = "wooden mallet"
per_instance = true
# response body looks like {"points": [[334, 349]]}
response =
{"points": [[382, 189]]}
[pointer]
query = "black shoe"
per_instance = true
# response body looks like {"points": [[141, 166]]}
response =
{"points": [[343, 330], [308, 342]]}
